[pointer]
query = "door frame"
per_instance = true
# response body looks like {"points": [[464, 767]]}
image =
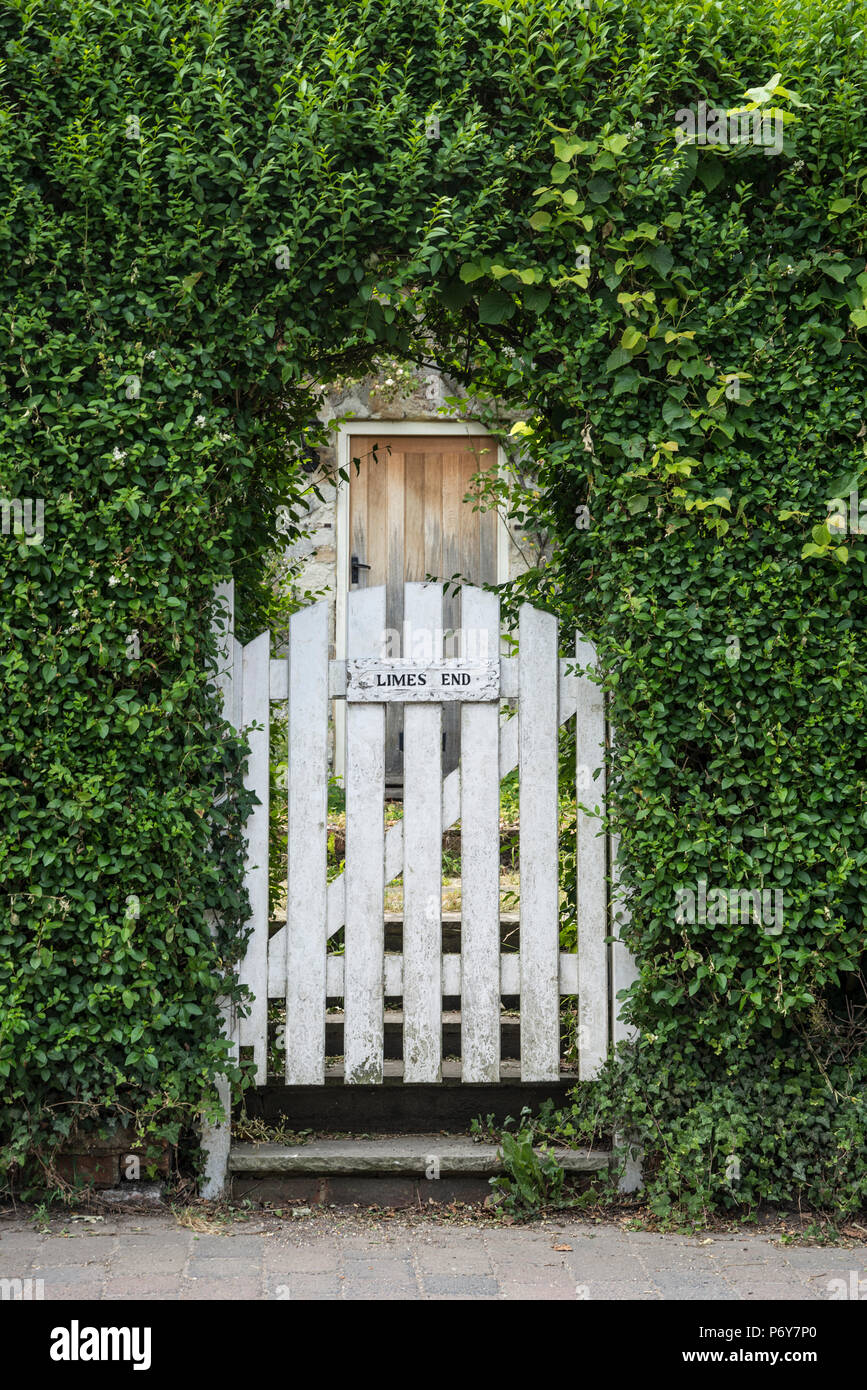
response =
{"points": [[460, 429]]}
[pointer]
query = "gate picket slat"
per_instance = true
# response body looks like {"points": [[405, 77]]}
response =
{"points": [[539, 927], [451, 805], [253, 971], [422, 857], [480, 856], [365, 854], [590, 872], [306, 903]]}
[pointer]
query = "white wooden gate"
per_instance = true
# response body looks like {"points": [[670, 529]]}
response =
{"points": [[511, 709]]}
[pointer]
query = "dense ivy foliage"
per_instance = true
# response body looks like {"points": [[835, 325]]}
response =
{"points": [[206, 211]]}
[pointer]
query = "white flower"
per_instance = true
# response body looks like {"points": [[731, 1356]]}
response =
{"points": [[118, 454], [201, 421], [389, 381], [114, 579]]}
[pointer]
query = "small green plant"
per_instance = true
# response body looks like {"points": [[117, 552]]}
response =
{"points": [[532, 1180], [41, 1217]]}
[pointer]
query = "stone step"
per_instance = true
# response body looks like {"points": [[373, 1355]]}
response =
{"points": [[408, 1154], [407, 1170]]}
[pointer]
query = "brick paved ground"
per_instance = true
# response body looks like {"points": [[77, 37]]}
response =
{"points": [[345, 1257]]}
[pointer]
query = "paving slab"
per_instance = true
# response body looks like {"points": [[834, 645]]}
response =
{"points": [[340, 1255]]}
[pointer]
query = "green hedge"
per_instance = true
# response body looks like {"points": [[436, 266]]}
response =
{"points": [[205, 211]]}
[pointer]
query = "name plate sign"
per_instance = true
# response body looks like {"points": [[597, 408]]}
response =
{"points": [[403, 681]]}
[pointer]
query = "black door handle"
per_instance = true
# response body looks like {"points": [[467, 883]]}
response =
{"points": [[354, 566]]}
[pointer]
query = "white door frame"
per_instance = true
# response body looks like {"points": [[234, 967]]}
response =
{"points": [[461, 429]]}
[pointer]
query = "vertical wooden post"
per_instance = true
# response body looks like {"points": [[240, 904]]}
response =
{"points": [[539, 932], [480, 853], [422, 856], [590, 871], [365, 854], [307, 904]]}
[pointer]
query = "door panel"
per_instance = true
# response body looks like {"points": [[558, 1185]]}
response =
{"points": [[408, 520]]}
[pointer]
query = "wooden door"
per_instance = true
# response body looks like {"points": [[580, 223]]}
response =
{"points": [[408, 521]]}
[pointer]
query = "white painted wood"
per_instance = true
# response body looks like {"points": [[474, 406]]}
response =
{"points": [[334, 976], [337, 679], [278, 678], [451, 801], [343, 545], [405, 682], [539, 933], [306, 902], [253, 970], [365, 853], [591, 870], [480, 858], [451, 973], [422, 855], [509, 677], [236, 719], [568, 972]]}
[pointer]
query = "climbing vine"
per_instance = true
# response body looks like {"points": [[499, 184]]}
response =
{"points": [[643, 227]]}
